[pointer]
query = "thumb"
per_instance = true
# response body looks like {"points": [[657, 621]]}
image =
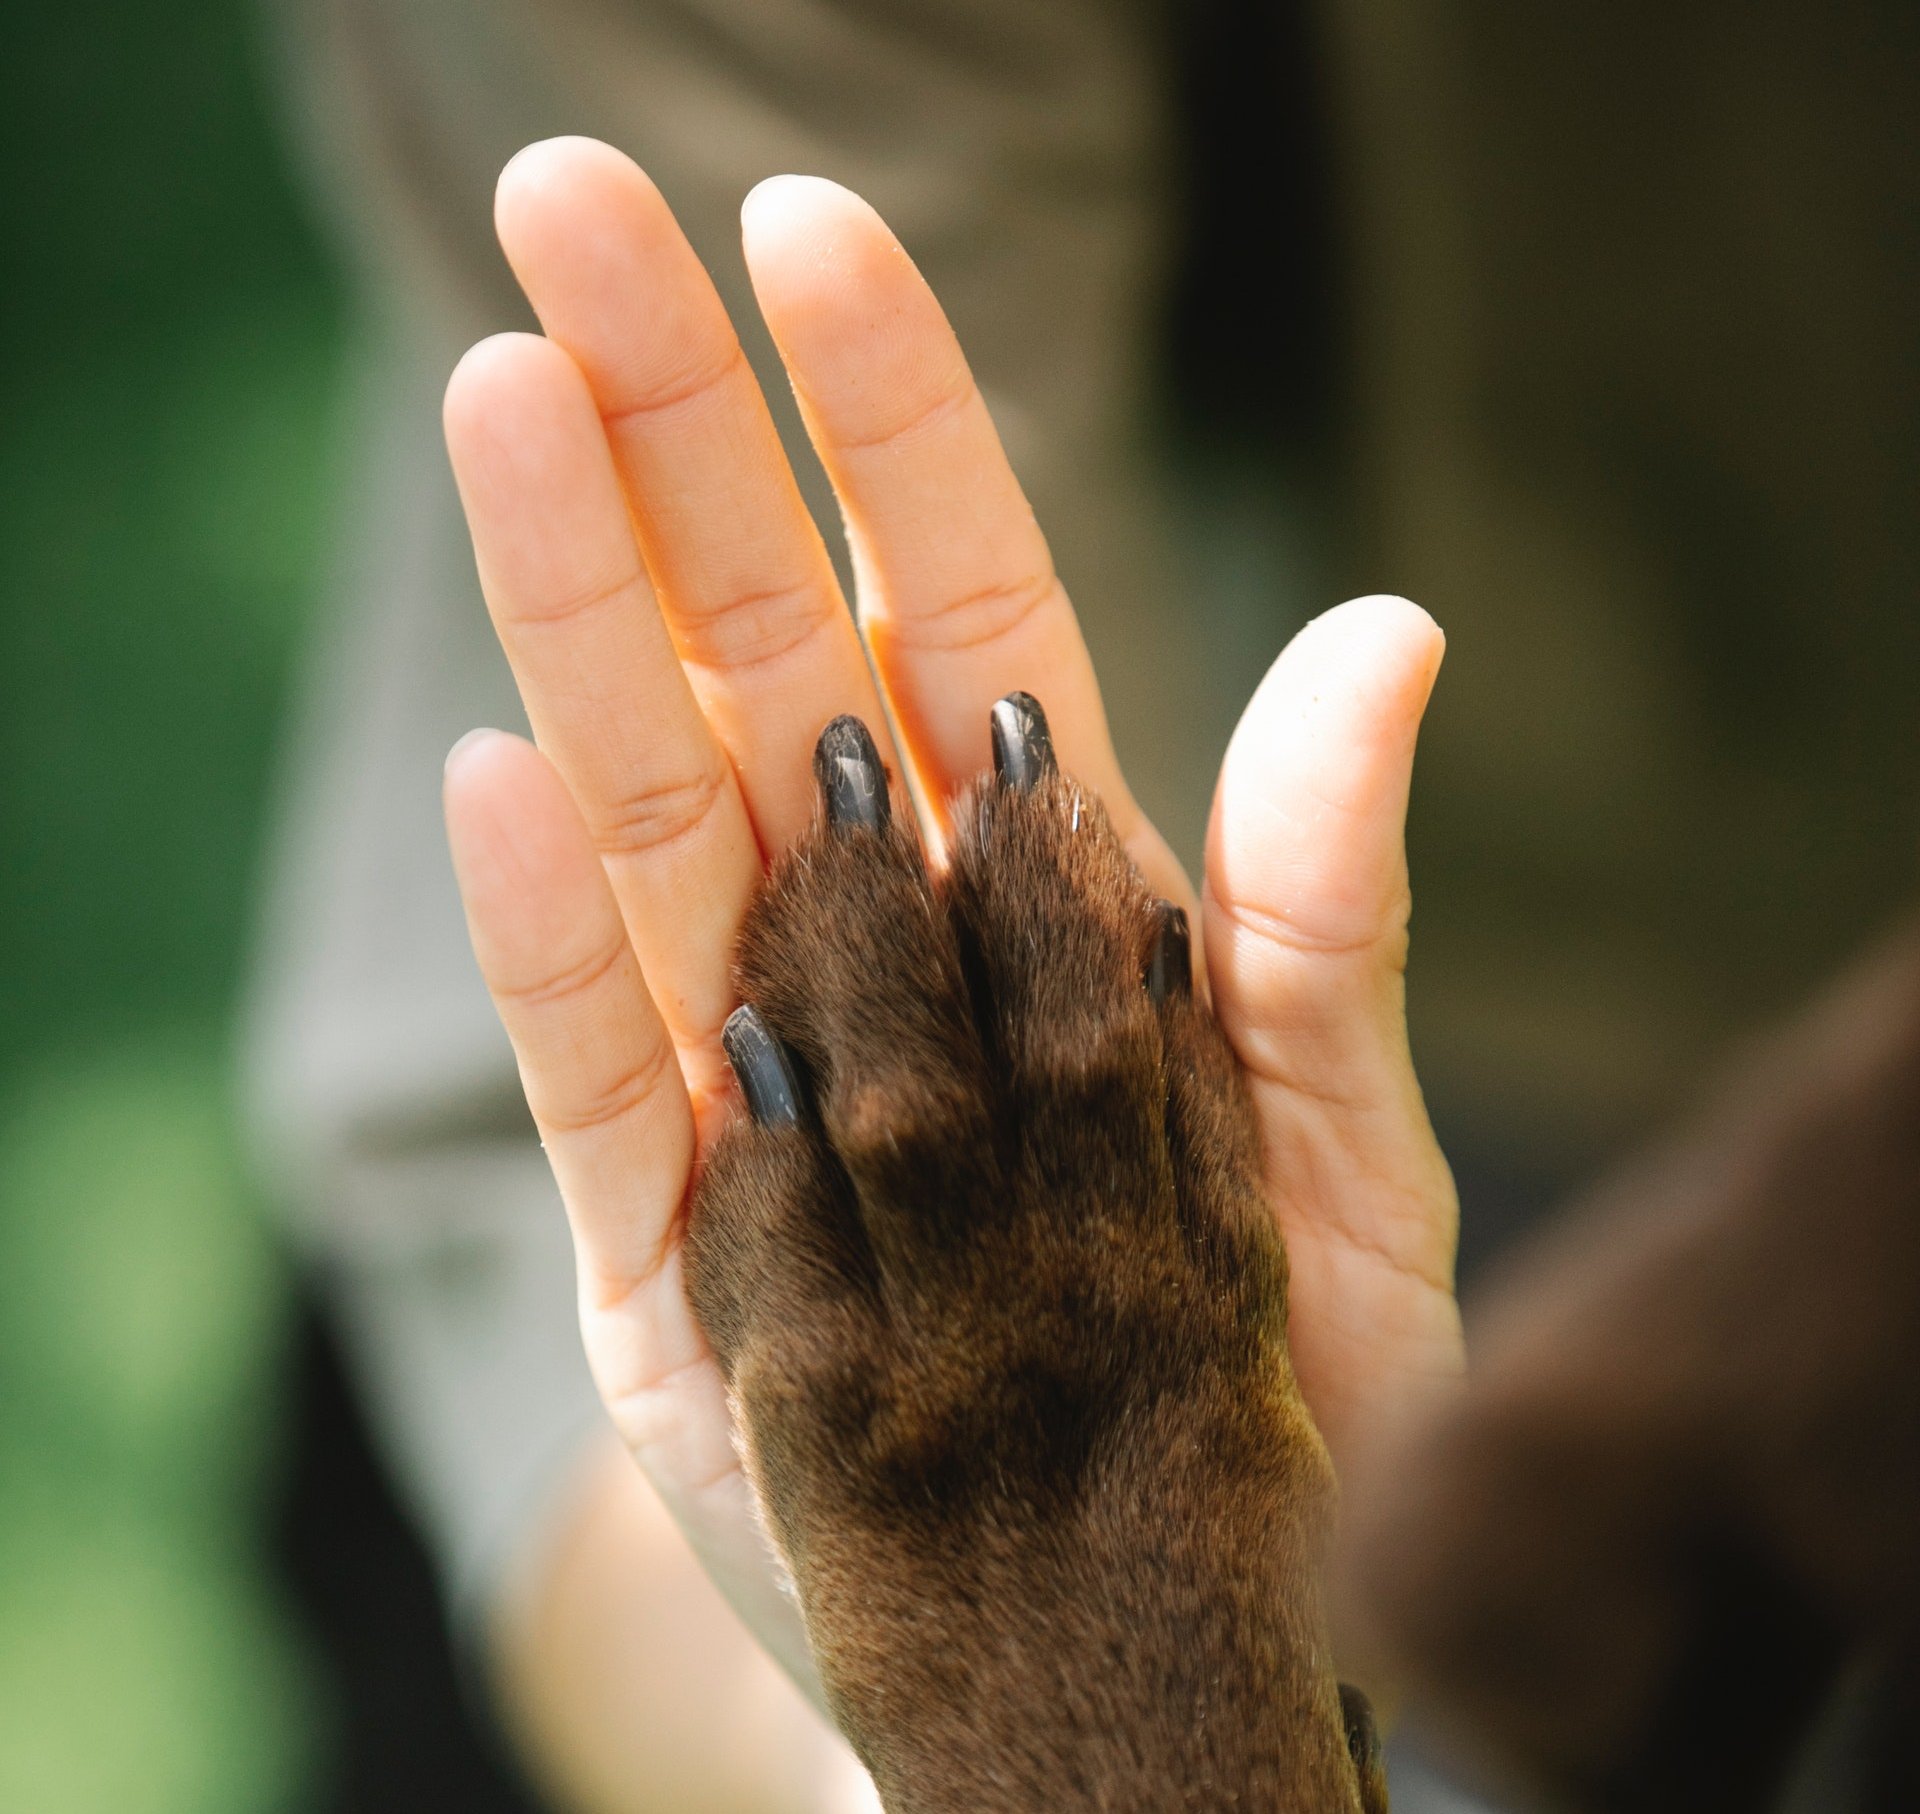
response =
{"points": [[1306, 874], [1305, 913]]}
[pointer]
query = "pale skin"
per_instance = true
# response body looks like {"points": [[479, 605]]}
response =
{"points": [[679, 639]]}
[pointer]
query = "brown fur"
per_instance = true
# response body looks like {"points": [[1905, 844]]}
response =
{"points": [[1684, 1492], [1005, 1322]]}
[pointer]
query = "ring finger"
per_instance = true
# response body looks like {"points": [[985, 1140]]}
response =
{"points": [[603, 685]]}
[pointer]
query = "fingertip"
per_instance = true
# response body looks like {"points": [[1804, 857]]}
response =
{"points": [[491, 373], [1311, 806], [1405, 634], [530, 459], [772, 200], [795, 212], [1389, 611], [481, 783], [863, 338], [473, 753], [1381, 641], [828, 271], [521, 852], [1354, 679], [1393, 616], [500, 791], [597, 251], [557, 174]]}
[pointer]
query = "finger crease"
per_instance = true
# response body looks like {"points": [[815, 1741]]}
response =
{"points": [[1271, 1072], [658, 817], [632, 1089], [1272, 929], [975, 619], [675, 396], [621, 1288], [579, 605], [1434, 1277], [755, 629], [576, 979], [928, 415]]}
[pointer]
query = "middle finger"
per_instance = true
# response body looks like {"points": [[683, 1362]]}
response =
{"points": [[744, 581]]}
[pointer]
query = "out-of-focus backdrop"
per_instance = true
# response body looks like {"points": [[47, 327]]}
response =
{"points": [[1593, 333], [208, 1598], [169, 354]]}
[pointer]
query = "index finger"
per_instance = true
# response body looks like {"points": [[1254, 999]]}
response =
{"points": [[959, 601]]}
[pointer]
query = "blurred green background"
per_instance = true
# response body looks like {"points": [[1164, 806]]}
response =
{"points": [[169, 346]]}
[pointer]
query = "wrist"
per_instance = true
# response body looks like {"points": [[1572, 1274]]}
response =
{"points": [[1156, 1643]]}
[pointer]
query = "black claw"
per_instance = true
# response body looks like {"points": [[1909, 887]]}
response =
{"points": [[763, 1067], [852, 781], [1363, 1736], [1022, 744], [1170, 964]]}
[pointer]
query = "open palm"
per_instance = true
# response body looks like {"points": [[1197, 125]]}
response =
{"points": [[679, 638]]}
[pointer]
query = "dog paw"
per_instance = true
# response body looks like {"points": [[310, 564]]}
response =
{"points": [[990, 1269]]}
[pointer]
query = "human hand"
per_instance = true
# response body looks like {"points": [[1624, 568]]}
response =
{"points": [[677, 634]]}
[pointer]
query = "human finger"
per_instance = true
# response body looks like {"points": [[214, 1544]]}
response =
{"points": [[1306, 906], [743, 579], [959, 601], [600, 1077], [594, 1055], [603, 685]]}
